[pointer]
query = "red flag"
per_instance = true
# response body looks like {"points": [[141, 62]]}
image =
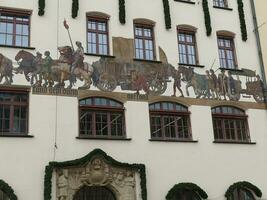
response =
{"points": [[65, 24]]}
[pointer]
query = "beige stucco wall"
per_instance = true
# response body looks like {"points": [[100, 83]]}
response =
{"points": [[261, 6], [214, 167]]}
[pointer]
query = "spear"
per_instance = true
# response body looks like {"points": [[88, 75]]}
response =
{"points": [[67, 28]]}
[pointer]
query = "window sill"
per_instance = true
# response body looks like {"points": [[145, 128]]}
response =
{"points": [[223, 8], [229, 69], [102, 138], [233, 142], [183, 1], [168, 140], [16, 136], [190, 65], [143, 60], [99, 55], [16, 47]]}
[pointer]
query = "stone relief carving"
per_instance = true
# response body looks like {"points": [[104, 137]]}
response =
{"points": [[96, 173]]}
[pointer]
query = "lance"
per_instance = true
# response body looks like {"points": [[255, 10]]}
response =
{"points": [[67, 28]]}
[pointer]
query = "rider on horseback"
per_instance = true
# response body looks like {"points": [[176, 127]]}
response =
{"points": [[78, 57]]}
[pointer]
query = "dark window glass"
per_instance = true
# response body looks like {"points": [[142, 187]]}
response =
{"points": [[242, 194], [3, 196], [187, 47], [227, 52], [14, 29], [97, 36], [183, 194], [230, 124], [94, 193], [144, 42], [220, 3], [101, 117], [169, 121], [13, 112]]}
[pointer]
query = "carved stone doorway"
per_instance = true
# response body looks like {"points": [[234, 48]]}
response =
{"points": [[94, 193]]}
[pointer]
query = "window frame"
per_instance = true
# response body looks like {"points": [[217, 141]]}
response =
{"points": [[11, 115], [167, 113], [234, 117], [232, 48], [109, 110], [17, 13], [97, 19], [143, 38], [191, 32]]}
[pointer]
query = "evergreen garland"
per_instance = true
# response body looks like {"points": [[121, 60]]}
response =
{"points": [[41, 5], [186, 186], [242, 185], [75, 8], [97, 152], [122, 15], [206, 11], [6, 189], [242, 20], [167, 15]]}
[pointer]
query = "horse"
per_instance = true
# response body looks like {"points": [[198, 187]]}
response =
{"points": [[28, 66], [199, 82], [6, 68], [61, 72]]}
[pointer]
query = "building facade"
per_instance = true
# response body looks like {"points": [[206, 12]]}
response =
{"points": [[131, 100]]}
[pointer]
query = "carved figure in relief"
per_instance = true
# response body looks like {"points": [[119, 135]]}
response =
{"points": [[62, 185], [214, 83], [6, 68], [222, 84], [46, 70], [129, 190]]}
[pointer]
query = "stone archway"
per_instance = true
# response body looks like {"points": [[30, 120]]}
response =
{"points": [[94, 193]]}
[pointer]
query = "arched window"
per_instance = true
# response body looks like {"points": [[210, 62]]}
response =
{"points": [[101, 118], [186, 191], [3, 196], [243, 190], [94, 193], [169, 121], [230, 124]]}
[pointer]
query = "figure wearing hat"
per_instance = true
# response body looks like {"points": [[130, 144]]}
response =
{"points": [[78, 56], [38, 59]]}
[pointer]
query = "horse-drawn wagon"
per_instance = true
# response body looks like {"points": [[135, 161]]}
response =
{"points": [[254, 85], [152, 77]]}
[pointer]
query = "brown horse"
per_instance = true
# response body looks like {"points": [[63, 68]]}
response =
{"points": [[28, 66], [6, 69]]}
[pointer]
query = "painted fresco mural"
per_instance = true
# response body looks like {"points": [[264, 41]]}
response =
{"points": [[108, 74]]}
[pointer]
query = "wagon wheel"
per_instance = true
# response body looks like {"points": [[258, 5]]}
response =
{"points": [[157, 87], [106, 83], [258, 97]]}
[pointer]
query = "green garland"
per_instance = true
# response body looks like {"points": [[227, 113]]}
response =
{"points": [[75, 8], [242, 185], [41, 4], [206, 11], [243, 26], [122, 16], [186, 186], [97, 152], [4, 187], [167, 15]]}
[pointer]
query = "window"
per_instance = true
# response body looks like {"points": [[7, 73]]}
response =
{"points": [[184, 194], [14, 27], [220, 3], [227, 54], [101, 118], [3, 196], [94, 193], [169, 121], [187, 47], [242, 194], [230, 124], [13, 113], [97, 36], [144, 42]]}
